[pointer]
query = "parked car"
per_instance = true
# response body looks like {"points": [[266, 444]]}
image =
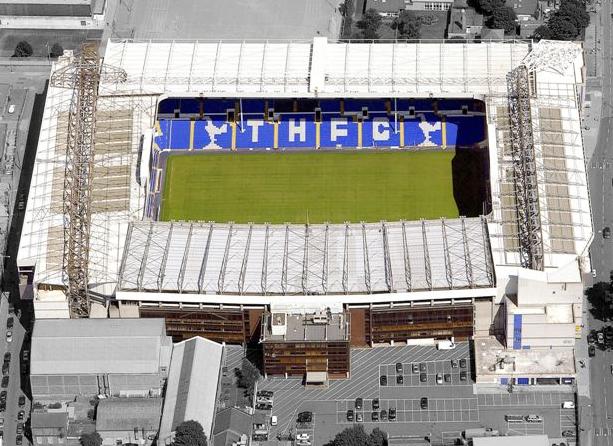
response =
{"points": [[350, 415], [399, 367], [439, 378], [22, 401], [568, 433], [533, 419], [447, 377], [7, 357], [399, 379], [423, 403], [9, 322], [374, 416], [422, 367], [600, 336], [463, 375], [305, 417], [5, 368], [19, 440], [5, 382], [384, 415], [9, 336], [591, 350], [391, 415], [375, 403], [20, 428], [21, 415], [423, 377], [568, 405], [359, 403], [606, 232], [463, 363], [302, 437], [591, 338], [454, 363], [415, 368], [383, 380], [262, 393], [359, 417]]}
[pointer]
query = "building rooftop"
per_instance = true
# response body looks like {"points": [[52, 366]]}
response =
{"points": [[386, 5], [95, 346], [41, 420], [492, 34], [191, 388], [526, 440], [230, 424], [278, 326], [490, 353], [462, 21], [523, 7], [126, 414]]}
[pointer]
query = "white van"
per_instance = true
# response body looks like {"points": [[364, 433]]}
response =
{"points": [[273, 420]]}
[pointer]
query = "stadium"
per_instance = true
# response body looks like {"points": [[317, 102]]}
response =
{"points": [[421, 191]]}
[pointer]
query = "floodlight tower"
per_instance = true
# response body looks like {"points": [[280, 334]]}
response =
{"points": [[83, 76]]}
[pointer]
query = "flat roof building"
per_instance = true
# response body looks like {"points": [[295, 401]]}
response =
{"points": [[133, 420]]}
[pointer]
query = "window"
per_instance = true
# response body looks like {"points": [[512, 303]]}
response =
{"points": [[436, 6]]}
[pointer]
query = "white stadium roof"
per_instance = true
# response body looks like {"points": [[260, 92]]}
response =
{"points": [[317, 68]]}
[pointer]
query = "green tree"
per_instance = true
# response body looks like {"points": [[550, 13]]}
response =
{"points": [[561, 28], [248, 375], [351, 436], [91, 439], [600, 298], [408, 25], [487, 7], [56, 50], [377, 438], [542, 32], [574, 12], [189, 433], [503, 18], [23, 49], [369, 24]]}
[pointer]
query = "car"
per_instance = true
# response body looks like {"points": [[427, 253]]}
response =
{"points": [[9, 322], [591, 338], [263, 406], [591, 351], [22, 401], [606, 232], [11, 109], [423, 377], [463, 363], [568, 433], [600, 336], [383, 415], [611, 371], [263, 393], [20, 428], [302, 437], [19, 440], [350, 415], [359, 417], [439, 378], [305, 417], [1, 422], [568, 405], [463, 375], [391, 415], [533, 419], [454, 363], [423, 403], [383, 380], [359, 403], [447, 377], [375, 403], [399, 379], [9, 336], [374, 416], [422, 367], [274, 420], [26, 356], [21, 415], [415, 368], [399, 367], [5, 382], [7, 357], [5, 368]]}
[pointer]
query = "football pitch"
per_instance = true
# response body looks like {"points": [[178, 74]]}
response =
{"points": [[309, 186]]}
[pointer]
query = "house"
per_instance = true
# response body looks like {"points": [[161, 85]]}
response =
{"points": [[90, 357], [191, 391], [129, 420], [465, 23], [49, 428], [231, 425]]}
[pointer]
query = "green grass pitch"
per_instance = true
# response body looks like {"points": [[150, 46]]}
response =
{"points": [[309, 186]]}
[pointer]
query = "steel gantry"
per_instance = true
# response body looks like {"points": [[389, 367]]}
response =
{"points": [[83, 76]]}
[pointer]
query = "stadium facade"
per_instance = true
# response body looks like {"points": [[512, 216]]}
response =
{"points": [[402, 281]]}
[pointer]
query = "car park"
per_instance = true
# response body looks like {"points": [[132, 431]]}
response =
{"points": [[463, 363], [591, 351], [375, 403], [447, 377], [454, 363], [399, 379], [439, 378], [391, 415], [399, 367], [423, 403], [383, 380], [350, 415], [463, 375], [423, 377], [359, 417], [359, 403], [374, 416]]}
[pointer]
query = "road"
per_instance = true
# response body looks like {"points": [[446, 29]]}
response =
{"points": [[600, 174]]}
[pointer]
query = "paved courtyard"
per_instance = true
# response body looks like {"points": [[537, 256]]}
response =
{"points": [[452, 406]]}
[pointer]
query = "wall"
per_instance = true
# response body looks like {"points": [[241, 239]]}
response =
{"points": [[42, 9]]}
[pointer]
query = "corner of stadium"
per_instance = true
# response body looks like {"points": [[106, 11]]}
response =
{"points": [[375, 183]]}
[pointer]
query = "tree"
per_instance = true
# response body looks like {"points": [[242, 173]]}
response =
{"points": [[351, 436], [561, 28], [600, 298], [487, 7], [248, 375], [91, 439], [189, 433], [542, 32], [377, 438], [369, 24], [23, 49], [56, 50], [503, 18], [574, 12], [408, 25]]}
